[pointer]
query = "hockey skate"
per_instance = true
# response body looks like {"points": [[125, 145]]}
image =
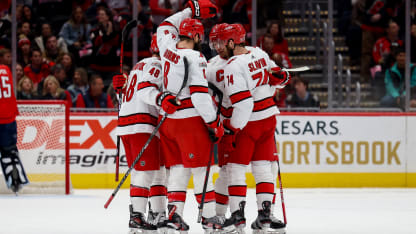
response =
{"points": [[175, 223], [12, 168], [237, 222], [159, 220], [266, 223], [213, 224], [138, 224]]}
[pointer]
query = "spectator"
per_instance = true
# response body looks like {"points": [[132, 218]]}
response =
{"points": [[395, 82], [38, 69], [24, 30], [413, 38], [95, 97], [19, 72], [46, 32], [52, 91], [76, 33], [375, 17], [52, 51], [79, 84], [6, 57], [105, 38], [58, 71], [67, 62], [27, 16], [281, 59], [23, 52], [280, 43], [382, 48], [302, 97], [25, 89]]}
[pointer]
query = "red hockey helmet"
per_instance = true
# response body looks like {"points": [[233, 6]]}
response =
{"points": [[153, 44], [235, 32], [214, 35], [191, 27]]}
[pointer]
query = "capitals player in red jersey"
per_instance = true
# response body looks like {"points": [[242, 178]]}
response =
{"points": [[191, 127], [10, 162], [249, 134], [137, 120]]}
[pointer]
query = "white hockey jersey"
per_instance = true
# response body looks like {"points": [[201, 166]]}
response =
{"points": [[137, 113], [195, 99], [246, 84], [215, 75]]}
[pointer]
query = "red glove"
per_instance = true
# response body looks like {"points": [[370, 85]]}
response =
{"points": [[279, 76], [119, 81], [202, 9], [228, 140], [167, 101], [215, 130]]}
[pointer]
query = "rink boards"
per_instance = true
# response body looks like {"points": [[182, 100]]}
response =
{"points": [[315, 150]]}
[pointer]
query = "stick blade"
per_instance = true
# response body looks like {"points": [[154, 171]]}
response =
{"points": [[129, 26], [298, 69]]}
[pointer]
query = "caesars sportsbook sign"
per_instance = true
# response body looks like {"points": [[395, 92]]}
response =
{"points": [[315, 149]]}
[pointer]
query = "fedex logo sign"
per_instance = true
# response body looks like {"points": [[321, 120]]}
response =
{"points": [[85, 133]]}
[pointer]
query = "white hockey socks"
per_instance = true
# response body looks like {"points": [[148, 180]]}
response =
{"points": [[177, 184], [158, 191], [262, 172], [221, 192], [139, 189], [209, 200], [237, 187]]}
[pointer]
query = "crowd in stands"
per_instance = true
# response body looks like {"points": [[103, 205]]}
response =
{"points": [[379, 26], [69, 49]]}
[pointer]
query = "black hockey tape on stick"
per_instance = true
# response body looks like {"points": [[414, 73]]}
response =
{"points": [[220, 95], [136, 160]]}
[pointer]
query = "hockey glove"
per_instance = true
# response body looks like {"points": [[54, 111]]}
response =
{"points": [[119, 81], [202, 9], [167, 101], [228, 140], [215, 130], [279, 76]]}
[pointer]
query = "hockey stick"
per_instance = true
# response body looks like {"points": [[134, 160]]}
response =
{"points": [[124, 34], [185, 80], [204, 190], [281, 188], [297, 69]]}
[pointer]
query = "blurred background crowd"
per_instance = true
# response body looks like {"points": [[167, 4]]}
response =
{"points": [[70, 50]]}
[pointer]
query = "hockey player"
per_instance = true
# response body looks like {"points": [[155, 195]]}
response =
{"points": [[137, 120], [215, 76], [250, 130], [10, 162], [192, 125]]}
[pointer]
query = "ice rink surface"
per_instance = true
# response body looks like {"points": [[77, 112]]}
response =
{"points": [[323, 211]]}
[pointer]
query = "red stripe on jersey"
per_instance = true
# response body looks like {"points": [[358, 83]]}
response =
{"points": [[209, 197], [263, 104], [274, 198], [198, 89], [146, 84], [185, 104], [265, 188], [158, 190], [240, 96], [226, 112], [221, 198], [166, 23], [136, 191], [139, 118], [176, 196], [237, 190]]}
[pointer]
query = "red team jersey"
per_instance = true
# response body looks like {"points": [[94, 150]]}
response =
{"points": [[8, 103]]}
